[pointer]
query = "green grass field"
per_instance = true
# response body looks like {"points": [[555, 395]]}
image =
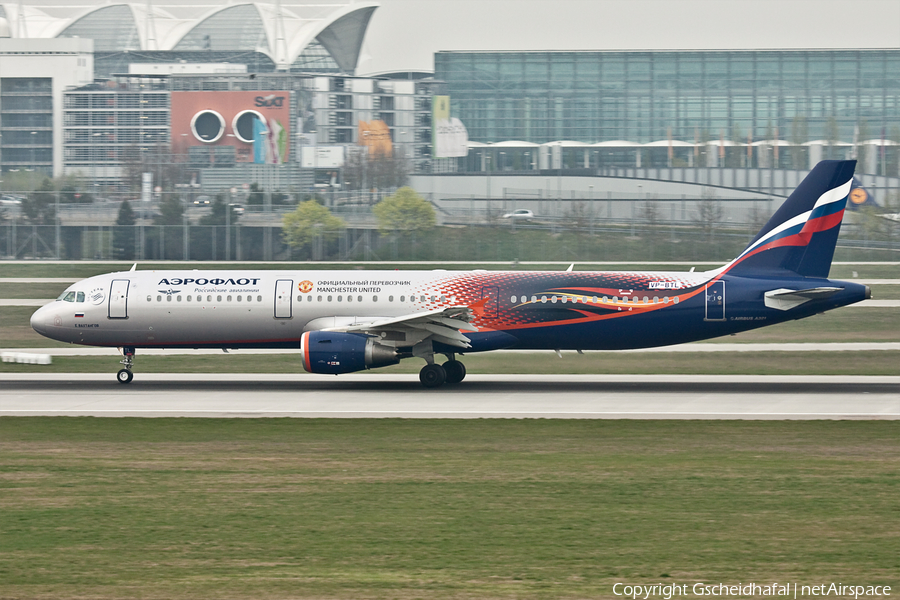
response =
{"points": [[305, 508]]}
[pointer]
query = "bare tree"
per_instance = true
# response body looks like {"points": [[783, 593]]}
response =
{"points": [[650, 212], [709, 214], [578, 215], [167, 168]]}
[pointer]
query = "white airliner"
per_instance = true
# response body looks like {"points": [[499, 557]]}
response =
{"points": [[346, 321]]}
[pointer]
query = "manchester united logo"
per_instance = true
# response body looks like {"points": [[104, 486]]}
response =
{"points": [[305, 286]]}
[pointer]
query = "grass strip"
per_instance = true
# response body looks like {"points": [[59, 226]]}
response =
{"points": [[307, 508], [875, 362]]}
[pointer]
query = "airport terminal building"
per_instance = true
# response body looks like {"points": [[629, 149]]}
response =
{"points": [[647, 96], [524, 111]]}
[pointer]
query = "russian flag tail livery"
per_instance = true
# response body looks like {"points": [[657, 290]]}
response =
{"points": [[801, 235]]}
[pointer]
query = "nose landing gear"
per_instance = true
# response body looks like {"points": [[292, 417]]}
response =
{"points": [[125, 375]]}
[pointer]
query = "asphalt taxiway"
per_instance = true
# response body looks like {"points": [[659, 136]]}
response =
{"points": [[480, 396]]}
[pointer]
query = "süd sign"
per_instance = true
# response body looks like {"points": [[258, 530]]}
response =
{"points": [[269, 101]]}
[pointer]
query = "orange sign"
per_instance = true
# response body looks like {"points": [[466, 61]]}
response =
{"points": [[305, 286], [376, 136]]}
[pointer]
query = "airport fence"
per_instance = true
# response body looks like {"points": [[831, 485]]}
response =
{"points": [[463, 244]]}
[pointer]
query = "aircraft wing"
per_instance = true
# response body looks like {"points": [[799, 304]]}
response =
{"points": [[441, 325]]}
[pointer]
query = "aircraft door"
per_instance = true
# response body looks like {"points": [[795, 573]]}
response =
{"points": [[284, 289], [492, 306], [118, 299], [715, 301]]}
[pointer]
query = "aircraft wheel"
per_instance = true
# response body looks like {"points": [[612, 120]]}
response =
{"points": [[432, 375], [124, 376], [456, 371]]}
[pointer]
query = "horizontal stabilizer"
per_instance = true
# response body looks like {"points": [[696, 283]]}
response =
{"points": [[785, 299]]}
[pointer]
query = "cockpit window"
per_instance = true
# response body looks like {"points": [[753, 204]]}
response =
{"points": [[69, 297], [79, 297]]}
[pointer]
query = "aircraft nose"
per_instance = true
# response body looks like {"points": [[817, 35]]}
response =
{"points": [[42, 320]]}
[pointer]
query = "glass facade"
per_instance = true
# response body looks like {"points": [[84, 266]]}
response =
{"points": [[315, 59], [105, 126], [235, 28], [112, 28], [694, 96], [26, 124]]}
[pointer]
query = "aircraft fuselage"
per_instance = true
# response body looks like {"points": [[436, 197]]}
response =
{"points": [[514, 309]]}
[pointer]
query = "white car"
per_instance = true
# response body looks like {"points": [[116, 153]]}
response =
{"points": [[10, 201], [521, 213]]}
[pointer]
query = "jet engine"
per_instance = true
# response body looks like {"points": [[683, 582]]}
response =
{"points": [[334, 353]]}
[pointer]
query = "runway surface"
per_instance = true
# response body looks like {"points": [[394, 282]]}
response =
{"points": [[691, 347], [480, 396]]}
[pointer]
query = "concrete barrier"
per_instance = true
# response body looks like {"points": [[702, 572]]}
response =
{"points": [[27, 358]]}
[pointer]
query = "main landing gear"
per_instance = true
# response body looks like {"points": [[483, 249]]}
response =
{"points": [[125, 375], [434, 375]]}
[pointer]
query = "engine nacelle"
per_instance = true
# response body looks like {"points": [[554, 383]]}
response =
{"points": [[333, 353]]}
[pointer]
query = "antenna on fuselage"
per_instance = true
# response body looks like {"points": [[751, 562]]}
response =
{"points": [[133, 267], [572, 266]]}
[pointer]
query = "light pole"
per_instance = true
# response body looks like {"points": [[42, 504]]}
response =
{"points": [[487, 166], [640, 189], [591, 201], [93, 165]]}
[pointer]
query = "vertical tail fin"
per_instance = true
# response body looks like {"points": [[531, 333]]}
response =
{"points": [[801, 235]]}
